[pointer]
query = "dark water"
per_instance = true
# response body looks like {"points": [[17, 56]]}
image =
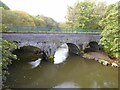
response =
{"points": [[75, 72]]}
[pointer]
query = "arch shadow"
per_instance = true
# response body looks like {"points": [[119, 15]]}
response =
{"points": [[73, 49], [92, 46], [30, 53]]}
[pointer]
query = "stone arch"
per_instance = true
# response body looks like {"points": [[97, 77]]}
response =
{"points": [[73, 49], [29, 48], [34, 44], [35, 51], [92, 46]]}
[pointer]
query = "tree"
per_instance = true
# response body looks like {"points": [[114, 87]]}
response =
{"points": [[49, 22], [39, 21], [86, 15], [17, 18], [3, 5], [64, 25], [111, 33]]}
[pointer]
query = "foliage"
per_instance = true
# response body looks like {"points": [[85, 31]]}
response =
{"points": [[111, 33], [49, 22], [22, 19], [16, 18], [86, 15], [3, 5], [64, 25], [4, 28], [51, 58], [42, 21], [39, 22], [7, 56]]}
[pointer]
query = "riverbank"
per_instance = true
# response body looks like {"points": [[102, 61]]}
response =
{"points": [[102, 58]]}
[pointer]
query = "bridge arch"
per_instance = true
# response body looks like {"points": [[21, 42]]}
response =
{"points": [[50, 42], [73, 49], [32, 52], [92, 46]]}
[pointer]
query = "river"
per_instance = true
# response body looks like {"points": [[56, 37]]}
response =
{"points": [[75, 72]]}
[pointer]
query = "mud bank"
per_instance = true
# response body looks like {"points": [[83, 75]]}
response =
{"points": [[102, 58]]}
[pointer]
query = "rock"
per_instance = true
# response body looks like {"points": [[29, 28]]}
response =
{"points": [[104, 62], [87, 56], [114, 65]]}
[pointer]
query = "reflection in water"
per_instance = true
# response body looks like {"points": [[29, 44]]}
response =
{"points": [[67, 85], [75, 72], [35, 63], [61, 54]]}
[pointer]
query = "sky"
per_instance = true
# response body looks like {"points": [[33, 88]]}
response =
{"points": [[56, 9]]}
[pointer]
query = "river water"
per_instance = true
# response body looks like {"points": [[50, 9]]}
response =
{"points": [[75, 72]]}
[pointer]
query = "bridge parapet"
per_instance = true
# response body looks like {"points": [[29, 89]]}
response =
{"points": [[37, 29]]}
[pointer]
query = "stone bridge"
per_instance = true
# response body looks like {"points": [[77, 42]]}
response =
{"points": [[50, 42]]}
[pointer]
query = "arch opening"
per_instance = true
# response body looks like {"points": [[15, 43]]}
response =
{"points": [[64, 50], [73, 49], [92, 46], [29, 53]]}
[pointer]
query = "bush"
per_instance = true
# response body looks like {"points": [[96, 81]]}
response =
{"points": [[111, 33], [6, 57]]}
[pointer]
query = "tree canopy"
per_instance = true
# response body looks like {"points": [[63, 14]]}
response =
{"points": [[4, 6], [47, 21], [111, 33], [86, 15], [17, 18], [23, 19]]}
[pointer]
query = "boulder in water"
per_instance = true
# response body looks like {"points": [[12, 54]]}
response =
{"points": [[114, 65]]}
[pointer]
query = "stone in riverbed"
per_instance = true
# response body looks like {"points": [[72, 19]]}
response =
{"points": [[114, 65], [104, 62]]}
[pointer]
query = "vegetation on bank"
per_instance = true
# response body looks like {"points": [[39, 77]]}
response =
{"points": [[111, 33], [6, 56], [86, 15]]}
